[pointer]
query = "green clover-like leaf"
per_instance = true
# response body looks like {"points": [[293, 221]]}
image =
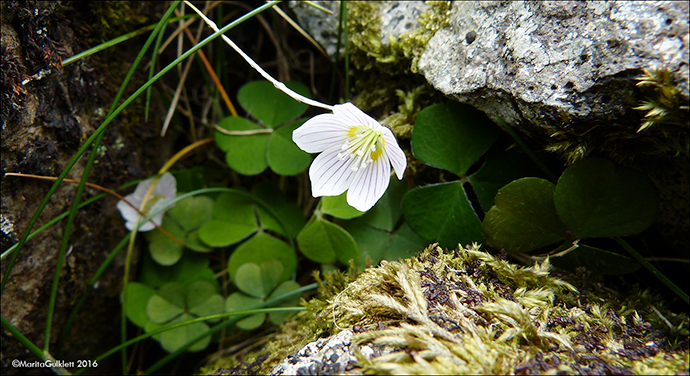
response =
{"points": [[524, 217], [452, 136], [596, 198], [270, 106], [442, 213], [326, 242]]}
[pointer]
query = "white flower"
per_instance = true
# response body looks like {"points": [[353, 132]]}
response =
{"points": [[356, 155], [165, 190]]}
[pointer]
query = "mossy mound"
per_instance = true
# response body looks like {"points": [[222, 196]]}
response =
{"points": [[468, 312]]}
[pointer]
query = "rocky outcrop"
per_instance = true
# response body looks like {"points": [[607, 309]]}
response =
{"points": [[540, 62]]}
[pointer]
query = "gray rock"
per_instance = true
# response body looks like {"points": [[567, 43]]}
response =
{"points": [[323, 27], [326, 356], [534, 61], [397, 18]]}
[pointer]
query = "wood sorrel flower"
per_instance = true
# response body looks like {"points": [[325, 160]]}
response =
{"points": [[165, 190], [356, 155]]}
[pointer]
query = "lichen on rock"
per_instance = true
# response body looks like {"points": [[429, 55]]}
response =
{"points": [[468, 312]]}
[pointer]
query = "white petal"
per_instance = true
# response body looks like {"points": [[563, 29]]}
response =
{"points": [[166, 186], [320, 133], [369, 185], [329, 175], [127, 212], [139, 192], [394, 153], [148, 226], [350, 114]]}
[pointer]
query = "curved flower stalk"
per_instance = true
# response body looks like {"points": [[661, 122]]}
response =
{"points": [[356, 155], [164, 190], [356, 151]]}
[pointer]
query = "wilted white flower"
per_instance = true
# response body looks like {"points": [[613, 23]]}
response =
{"points": [[165, 190], [356, 155]]}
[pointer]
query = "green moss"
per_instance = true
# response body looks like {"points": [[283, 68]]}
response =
{"points": [[385, 81], [467, 312], [114, 18], [399, 55]]}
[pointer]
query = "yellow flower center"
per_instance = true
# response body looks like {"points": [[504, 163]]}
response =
{"points": [[364, 145]]}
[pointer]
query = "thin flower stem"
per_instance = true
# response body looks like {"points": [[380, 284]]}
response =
{"points": [[182, 153], [242, 133], [279, 85]]}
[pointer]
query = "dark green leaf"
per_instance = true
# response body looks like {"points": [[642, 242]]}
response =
{"points": [[138, 295], [500, 168], [442, 213], [162, 248], [284, 157], [268, 105], [235, 208], [234, 220], [452, 136], [326, 242], [167, 304], [386, 213], [174, 339], [191, 212], [219, 233], [524, 217], [595, 198], [271, 272], [262, 247], [191, 179], [404, 244], [371, 242], [191, 267], [245, 154], [240, 302]]}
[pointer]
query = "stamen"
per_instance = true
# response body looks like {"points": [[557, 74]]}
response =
{"points": [[361, 146]]}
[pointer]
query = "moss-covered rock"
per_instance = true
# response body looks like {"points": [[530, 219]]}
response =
{"points": [[468, 312]]}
